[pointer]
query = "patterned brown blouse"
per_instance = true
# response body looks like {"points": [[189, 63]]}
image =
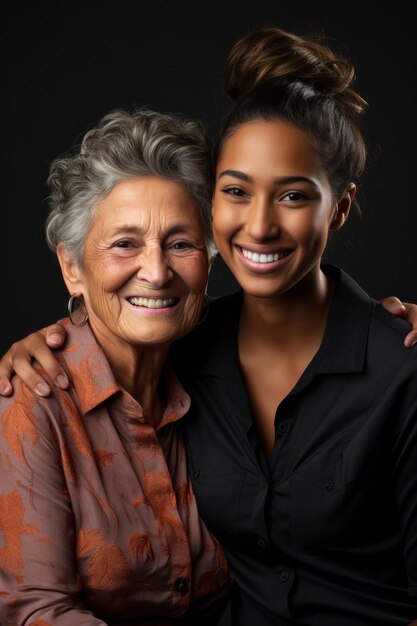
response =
{"points": [[98, 520]]}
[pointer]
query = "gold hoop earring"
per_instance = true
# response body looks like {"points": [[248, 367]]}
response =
{"points": [[205, 310], [76, 310]]}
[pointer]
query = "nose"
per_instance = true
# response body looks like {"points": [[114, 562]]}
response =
{"points": [[262, 220], [154, 267]]}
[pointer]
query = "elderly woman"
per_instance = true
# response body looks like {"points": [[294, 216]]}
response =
{"points": [[98, 516]]}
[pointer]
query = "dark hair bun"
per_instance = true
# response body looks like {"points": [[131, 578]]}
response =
{"points": [[272, 54]]}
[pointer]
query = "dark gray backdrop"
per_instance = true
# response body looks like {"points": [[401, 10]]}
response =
{"points": [[64, 65]]}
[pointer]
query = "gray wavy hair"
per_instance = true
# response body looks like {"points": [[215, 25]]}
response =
{"points": [[125, 145]]}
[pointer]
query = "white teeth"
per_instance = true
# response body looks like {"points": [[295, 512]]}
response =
{"points": [[264, 258], [152, 303]]}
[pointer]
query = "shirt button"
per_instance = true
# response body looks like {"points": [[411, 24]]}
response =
{"points": [[181, 585], [282, 428], [284, 576], [329, 485], [196, 474], [261, 542]]}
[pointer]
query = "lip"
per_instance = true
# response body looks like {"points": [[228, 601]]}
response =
{"points": [[263, 267]]}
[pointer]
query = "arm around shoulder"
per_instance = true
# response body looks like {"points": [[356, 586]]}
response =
{"points": [[38, 346]]}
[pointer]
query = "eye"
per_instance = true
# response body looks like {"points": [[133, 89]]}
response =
{"points": [[180, 245], [293, 196], [125, 247], [123, 244], [234, 190]]}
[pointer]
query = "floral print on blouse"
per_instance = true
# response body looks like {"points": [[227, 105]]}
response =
{"points": [[98, 520]]}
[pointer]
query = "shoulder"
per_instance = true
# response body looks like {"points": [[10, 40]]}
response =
{"points": [[361, 337], [26, 406], [26, 420], [362, 322], [353, 298], [25, 400], [389, 323], [386, 350], [389, 330]]}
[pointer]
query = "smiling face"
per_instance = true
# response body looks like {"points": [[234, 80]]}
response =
{"points": [[273, 207], [145, 264]]}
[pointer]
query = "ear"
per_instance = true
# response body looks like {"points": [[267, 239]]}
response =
{"points": [[342, 208], [71, 271]]}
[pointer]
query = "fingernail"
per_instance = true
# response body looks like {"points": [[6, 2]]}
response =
{"points": [[61, 381], [42, 389], [54, 338], [4, 388], [414, 343]]}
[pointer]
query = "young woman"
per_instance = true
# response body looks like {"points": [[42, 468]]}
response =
{"points": [[302, 434], [303, 424]]}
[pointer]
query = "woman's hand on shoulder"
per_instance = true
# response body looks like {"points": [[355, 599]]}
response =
{"points": [[18, 359], [408, 311]]}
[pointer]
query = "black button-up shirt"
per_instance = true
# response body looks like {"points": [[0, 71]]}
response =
{"points": [[323, 533]]}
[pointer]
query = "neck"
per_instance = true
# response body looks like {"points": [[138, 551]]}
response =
{"points": [[295, 317], [138, 370]]}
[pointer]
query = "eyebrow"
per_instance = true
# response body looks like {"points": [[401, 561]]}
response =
{"points": [[281, 180]]}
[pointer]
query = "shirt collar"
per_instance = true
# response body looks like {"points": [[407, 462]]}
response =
{"points": [[89, 369], [344, 344], [343, 348], [95, 382]]}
